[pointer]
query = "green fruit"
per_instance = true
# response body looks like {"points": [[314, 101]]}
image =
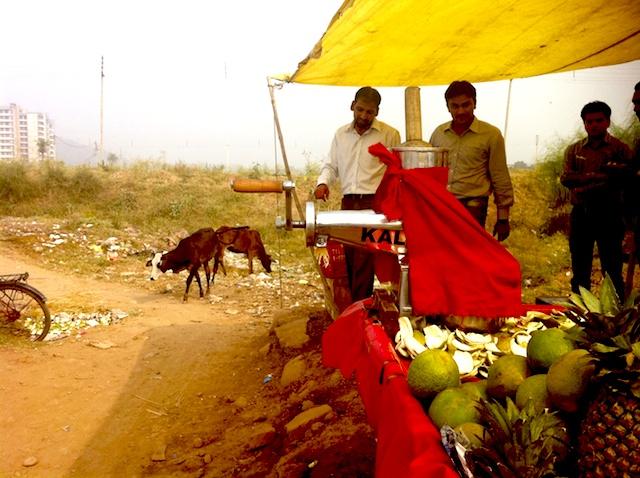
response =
{"points": [[568, 379], [533, 388], [546, 347], [505, 375], [453, 407], [474, 432], [476, 389], [431, 372]]}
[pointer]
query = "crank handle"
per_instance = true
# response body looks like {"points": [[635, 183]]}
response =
{"points": [[271, 186], [261, 185]]}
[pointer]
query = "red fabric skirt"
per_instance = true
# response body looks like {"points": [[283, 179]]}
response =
{"points": [[408, 444]]}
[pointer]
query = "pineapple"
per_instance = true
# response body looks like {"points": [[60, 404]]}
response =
{"points": [[527, 443], [609, 435]]}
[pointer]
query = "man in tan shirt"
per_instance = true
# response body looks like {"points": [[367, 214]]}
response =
{"points": [[477, 159]]}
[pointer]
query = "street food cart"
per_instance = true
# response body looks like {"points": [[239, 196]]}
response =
{"points": [[418, 43]]}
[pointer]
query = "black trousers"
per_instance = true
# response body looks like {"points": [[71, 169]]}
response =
{"points": [[360, 263], [635, 228], [599, 225], [477, 207]]}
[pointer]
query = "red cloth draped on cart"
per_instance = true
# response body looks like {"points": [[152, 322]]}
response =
{"points": [[455, 266], [408, 444]]}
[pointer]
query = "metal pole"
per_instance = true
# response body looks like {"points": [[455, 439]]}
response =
{"points": [[284, 153], [329, 302], [631, 265], [101, 147], [506, 116]]}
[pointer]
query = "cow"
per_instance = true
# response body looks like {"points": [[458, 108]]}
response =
{"points": [[191, 252], [242, 240]]}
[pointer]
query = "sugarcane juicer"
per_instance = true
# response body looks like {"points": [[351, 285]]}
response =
{"points": [[364, 229]]}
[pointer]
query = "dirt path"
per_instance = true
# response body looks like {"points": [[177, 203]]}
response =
{"points": [[159, 400]]}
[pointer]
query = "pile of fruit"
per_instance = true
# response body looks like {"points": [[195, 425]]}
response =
{"points": [[546, 396]]}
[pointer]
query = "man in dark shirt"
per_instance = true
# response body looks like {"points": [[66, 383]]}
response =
{"points": [[594, 170], [634, 190]]}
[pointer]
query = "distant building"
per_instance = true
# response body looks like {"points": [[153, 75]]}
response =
{"points": [[25, 135]]}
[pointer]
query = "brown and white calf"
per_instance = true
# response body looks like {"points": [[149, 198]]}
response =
{"points": [[242, 240], [191, 252]]}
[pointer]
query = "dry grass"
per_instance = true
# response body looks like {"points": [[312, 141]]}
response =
{"points": [[146, 203]]}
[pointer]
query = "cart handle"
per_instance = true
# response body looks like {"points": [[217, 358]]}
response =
{"points": [[259, 185]]}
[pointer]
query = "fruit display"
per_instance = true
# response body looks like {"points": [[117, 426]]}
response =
{"points": [[543, 396]]}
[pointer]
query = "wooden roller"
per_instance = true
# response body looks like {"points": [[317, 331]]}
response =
{"points": [[257, 186], [413, 117], [412, 113]]}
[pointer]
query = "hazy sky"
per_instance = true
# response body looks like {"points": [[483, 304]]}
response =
{"points": [[186, 81]]}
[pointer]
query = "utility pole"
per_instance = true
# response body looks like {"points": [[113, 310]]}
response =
{"points": [[101, 147]]}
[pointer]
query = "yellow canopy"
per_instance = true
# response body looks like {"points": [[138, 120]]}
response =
{"points": [[432, 42]]}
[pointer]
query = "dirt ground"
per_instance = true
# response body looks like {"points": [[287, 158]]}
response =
{"points": [[174, 389]]}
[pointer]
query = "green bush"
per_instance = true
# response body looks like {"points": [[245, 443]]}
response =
{"points": [[84, 184], [15, 184]]}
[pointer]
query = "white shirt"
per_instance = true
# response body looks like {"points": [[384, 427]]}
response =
{"points": [[349, 160]]}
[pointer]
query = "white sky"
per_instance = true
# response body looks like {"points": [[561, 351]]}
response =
{"points": [[186, 81]]}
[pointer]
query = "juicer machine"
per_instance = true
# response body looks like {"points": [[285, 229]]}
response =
{"points": [[363, 229]]}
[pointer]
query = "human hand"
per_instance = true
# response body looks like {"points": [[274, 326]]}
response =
{"points": [[616, 170], [599, 176], [502, 229], [321, 192]]}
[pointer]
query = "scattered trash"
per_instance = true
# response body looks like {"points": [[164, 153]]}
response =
{"points": [[267, 378], [31, 461], [102, 345], [155, 412], [159, 454], [65, 324]]}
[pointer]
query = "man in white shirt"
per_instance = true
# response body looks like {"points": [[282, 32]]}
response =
{"points": [[359, 174]]}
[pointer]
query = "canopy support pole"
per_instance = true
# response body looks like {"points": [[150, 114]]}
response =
{"points": [[506, 116], [329, 302], [281, 140]]}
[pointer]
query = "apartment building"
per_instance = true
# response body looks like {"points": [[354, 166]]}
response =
{"points": [[22, 134]]}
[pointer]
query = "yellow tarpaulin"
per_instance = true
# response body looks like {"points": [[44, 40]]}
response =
{"points": [[432, 42]]}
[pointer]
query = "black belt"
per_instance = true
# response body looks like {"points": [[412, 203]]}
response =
{"points": [[358, 196], [479, 201]]}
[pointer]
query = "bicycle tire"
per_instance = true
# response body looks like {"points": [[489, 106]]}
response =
{"points": [[24, 310]]}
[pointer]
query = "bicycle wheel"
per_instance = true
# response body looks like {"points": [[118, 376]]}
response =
{"points": [[23, 311]]}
